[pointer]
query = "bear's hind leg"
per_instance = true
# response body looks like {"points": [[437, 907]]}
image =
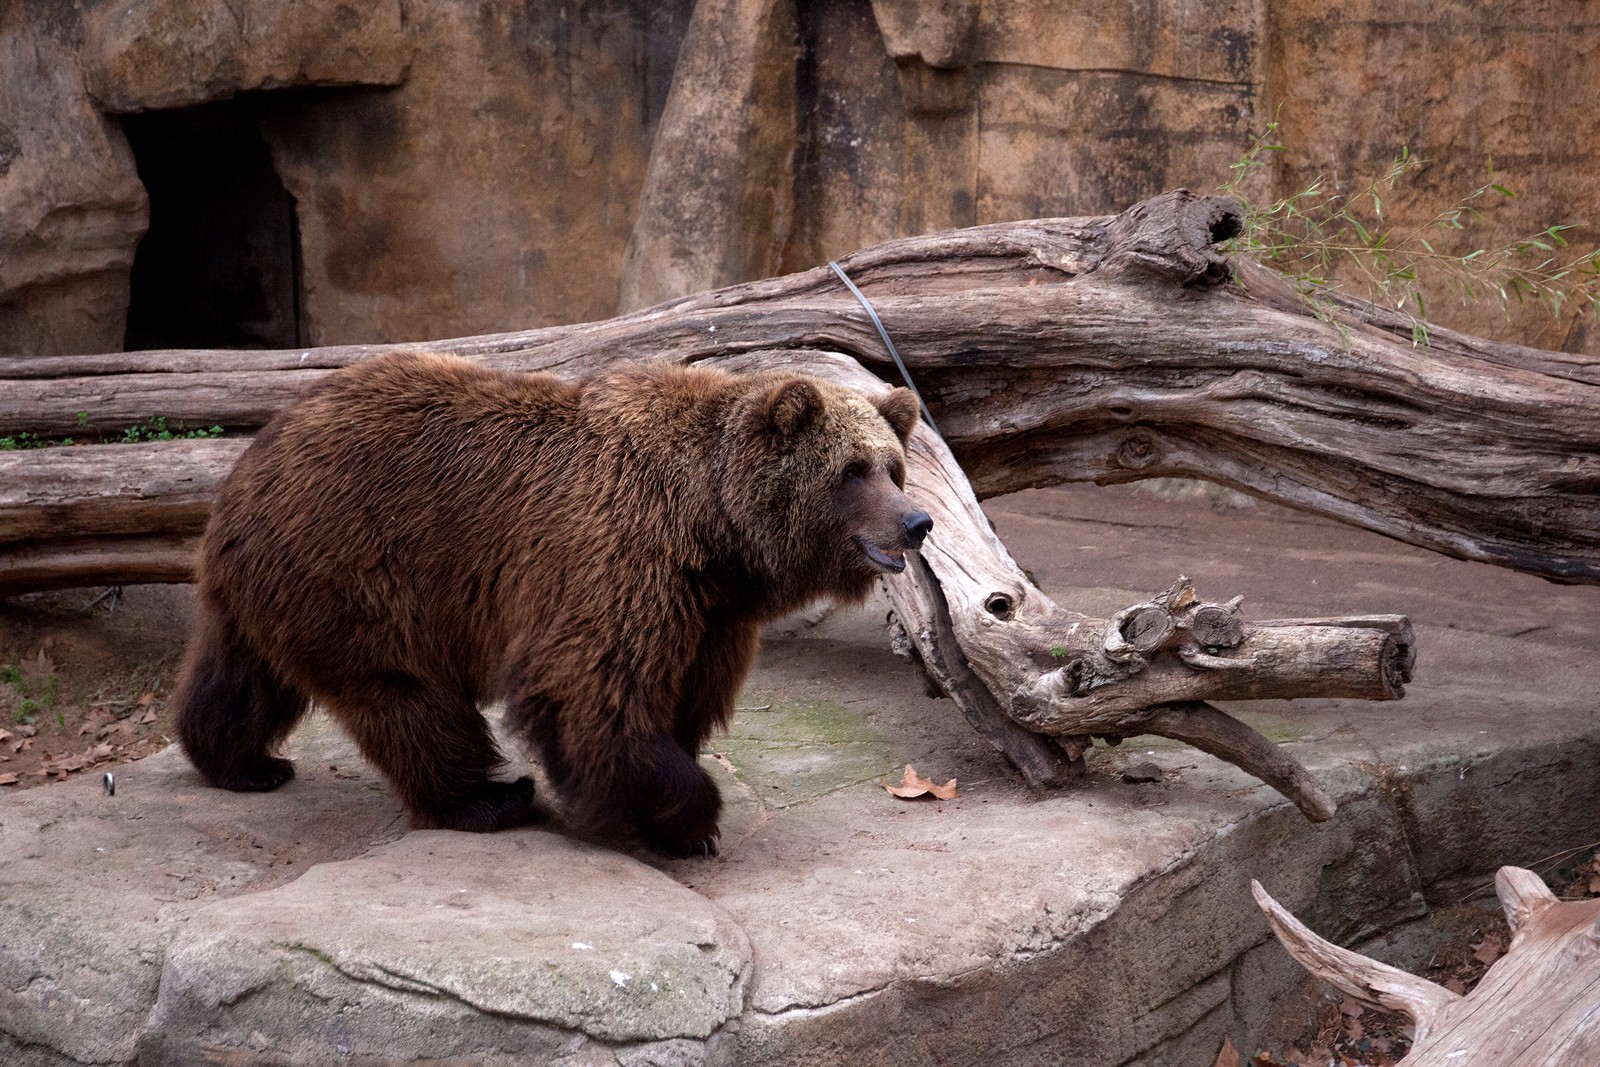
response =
{"points": [[234, 710], [436, 749]]}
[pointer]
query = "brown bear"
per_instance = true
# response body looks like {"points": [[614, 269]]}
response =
{"points": [[421, 536]]}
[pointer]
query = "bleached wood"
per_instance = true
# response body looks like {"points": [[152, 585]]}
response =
{"points": [[1537, 1006], [1523, 896], [1374, 984]]}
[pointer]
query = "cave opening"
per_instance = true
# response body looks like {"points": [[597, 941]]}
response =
{"points": [[219, 266]]}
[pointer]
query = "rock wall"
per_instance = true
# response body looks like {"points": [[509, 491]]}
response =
{"points": [[71, 206], [466, 167]]}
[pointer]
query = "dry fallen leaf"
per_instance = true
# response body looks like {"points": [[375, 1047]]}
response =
{"points": [[913, 784], [146, 700], [41, 664], [1229, 1056], [1456, 986], [99, 752], [1488, 950], [147, 717], [8, 779]]}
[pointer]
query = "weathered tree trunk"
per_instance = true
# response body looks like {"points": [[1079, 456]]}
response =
{"points": [[1103, 349], [1538, 1005], [1108, 349]]}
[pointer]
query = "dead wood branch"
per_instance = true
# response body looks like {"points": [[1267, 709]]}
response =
{"points": [[1535, 1006]]}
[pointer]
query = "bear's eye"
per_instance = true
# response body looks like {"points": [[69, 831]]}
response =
{"points": [[897, 473], [854, 472]]}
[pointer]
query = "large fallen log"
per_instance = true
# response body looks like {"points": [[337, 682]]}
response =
{"points": [[1106, 349], [1059, 350], [1538, 1005]]}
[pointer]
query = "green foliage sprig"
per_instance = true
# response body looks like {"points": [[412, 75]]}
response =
{"points": [[1317, 233], [152, 429]]}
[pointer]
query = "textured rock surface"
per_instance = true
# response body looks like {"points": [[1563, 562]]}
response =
{"points": [[169, 53], [1108, 924], [1484, 92], [71, 206], [450, 945], [496, 189], [720, 186], [467, 168], [95, 885]]}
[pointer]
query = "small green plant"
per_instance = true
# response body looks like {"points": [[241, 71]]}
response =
{"points": [[17, 442], [1058, 651], [156, 429], [1323, 239], [152, 429], [30, 705]]}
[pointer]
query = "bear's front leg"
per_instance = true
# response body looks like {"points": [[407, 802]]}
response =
{"points": [[674, 801], [615, 776]]}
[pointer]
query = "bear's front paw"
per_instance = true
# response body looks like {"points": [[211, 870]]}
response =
{"points": [[705, 846]]}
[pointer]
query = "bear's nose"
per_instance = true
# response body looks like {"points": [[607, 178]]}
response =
{"points": [[917, 525]]}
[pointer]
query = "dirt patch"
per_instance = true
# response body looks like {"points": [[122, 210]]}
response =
{"points": [[86, 679]]}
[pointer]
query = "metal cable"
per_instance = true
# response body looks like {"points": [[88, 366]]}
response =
{"points": [[883, 333]]}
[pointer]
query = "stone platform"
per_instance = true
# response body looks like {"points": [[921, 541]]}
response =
{"points": [[1108, 924]]}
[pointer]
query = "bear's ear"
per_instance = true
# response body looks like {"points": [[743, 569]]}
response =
{"points": [[792, 406], [899, 409]]}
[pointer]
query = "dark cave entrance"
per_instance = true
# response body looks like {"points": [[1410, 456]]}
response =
{"points": [[219, 266]]}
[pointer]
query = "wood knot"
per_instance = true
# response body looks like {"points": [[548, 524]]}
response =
{"points": [[1000, 605], [1137, 451]]}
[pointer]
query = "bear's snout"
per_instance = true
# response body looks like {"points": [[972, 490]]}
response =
{"points": [[917, 524]]}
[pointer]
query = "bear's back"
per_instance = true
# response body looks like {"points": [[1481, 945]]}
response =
{"points": [[373, 517]]}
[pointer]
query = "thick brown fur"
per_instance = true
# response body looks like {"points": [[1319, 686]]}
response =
{"points": [[421, 537]]}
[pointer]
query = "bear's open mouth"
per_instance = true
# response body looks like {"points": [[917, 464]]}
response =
{"points": [[892, 560]]}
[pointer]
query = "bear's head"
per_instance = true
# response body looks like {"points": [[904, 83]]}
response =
{"points": [[817, 486]]}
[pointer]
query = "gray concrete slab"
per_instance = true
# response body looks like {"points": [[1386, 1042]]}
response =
{"points": [[1107, 924]]}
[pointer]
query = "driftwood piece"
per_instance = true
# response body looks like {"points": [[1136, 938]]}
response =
{"points": [[1538, 1005]]}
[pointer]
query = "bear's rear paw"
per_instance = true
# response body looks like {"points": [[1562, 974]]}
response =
{"points": [[491, 806], [257, 777]]}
